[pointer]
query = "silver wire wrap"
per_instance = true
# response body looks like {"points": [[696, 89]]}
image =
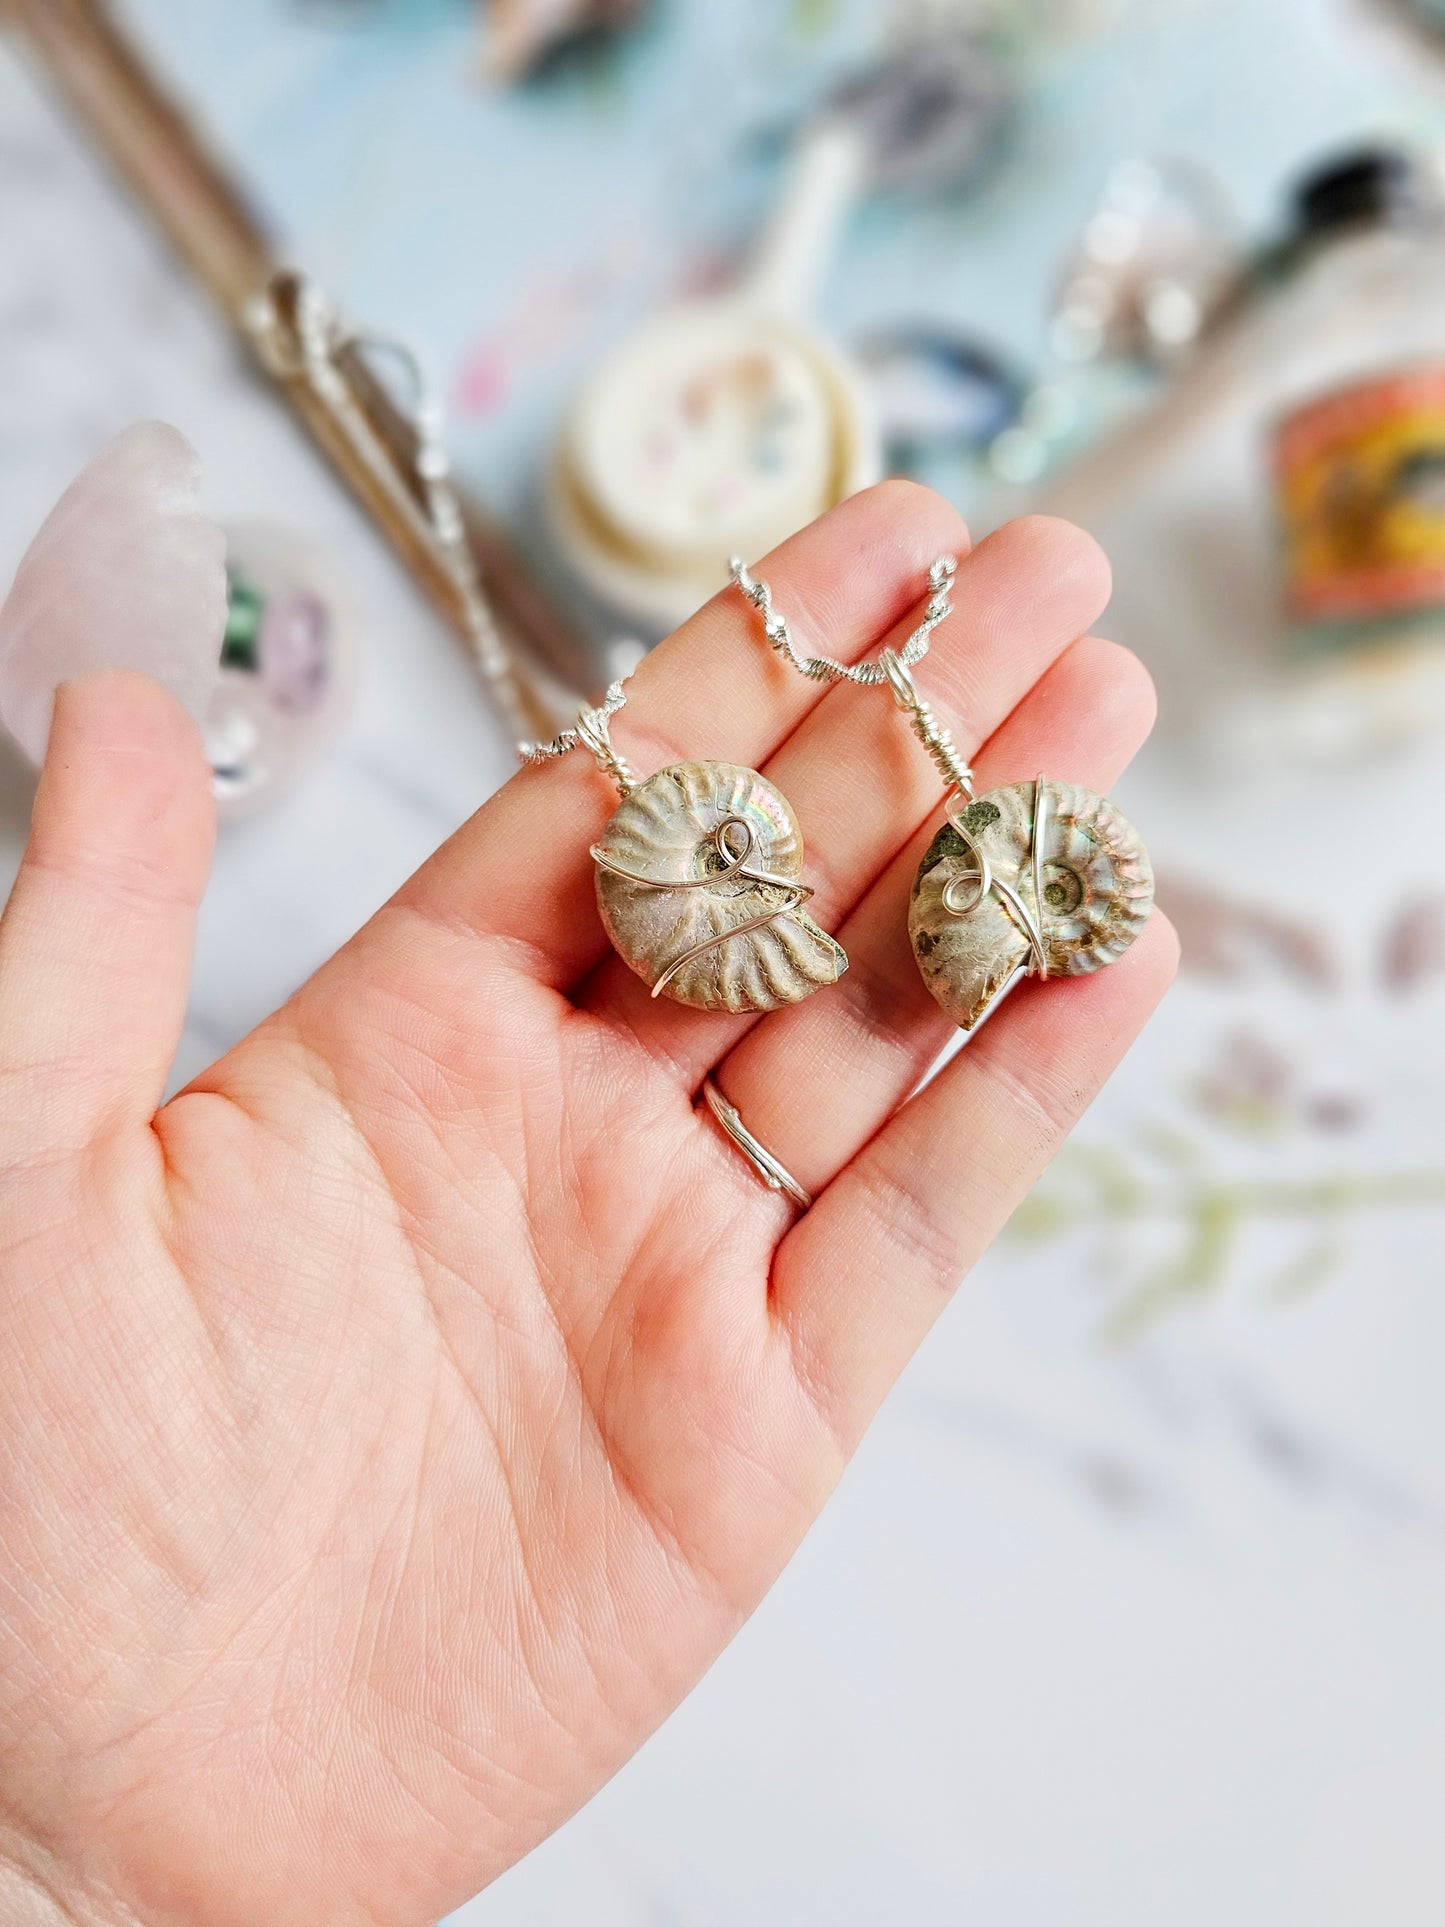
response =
{"points": [[935, 738], [893, 666], [775, 1175], [591, 731], [826, 668]]}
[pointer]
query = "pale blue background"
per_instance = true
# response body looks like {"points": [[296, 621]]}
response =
{"points": [[431, 205]]}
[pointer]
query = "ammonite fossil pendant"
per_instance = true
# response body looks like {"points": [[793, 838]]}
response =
{"points": [[1044, 879], [699, 885]]}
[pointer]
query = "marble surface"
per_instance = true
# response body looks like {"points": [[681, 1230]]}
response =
{"points": [[1129, 1611]]}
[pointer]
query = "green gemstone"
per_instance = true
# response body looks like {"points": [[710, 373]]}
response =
{"points": [[245, 610]]}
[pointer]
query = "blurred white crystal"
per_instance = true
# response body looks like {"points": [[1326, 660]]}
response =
{"points": [[126, 573]]}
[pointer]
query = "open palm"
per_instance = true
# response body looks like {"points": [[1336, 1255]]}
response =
{"points": [[397, 1422]]}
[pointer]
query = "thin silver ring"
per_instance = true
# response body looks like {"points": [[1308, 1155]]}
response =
{"points": [[776, 1176]]}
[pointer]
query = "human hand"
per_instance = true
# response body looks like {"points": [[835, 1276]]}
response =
{"points": [[396, 1423]]}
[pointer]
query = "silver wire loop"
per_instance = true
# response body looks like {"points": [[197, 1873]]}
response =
{"points": [[935, 738], [736, 863], [591, 731], [774, 1174]]}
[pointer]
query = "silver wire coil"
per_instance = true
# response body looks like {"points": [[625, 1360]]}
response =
{"points": [[934, 736]]}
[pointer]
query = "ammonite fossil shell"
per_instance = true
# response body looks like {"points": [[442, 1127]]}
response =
{"points": [[1098, 890], [681, 827]]}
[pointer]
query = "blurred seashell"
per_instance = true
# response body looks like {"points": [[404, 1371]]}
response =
{"points": [[521, 33], [126, 573], [667, 830], [1098, 890]]}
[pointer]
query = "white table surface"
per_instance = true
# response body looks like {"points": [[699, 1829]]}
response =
{"points": [[1125, 1632]]}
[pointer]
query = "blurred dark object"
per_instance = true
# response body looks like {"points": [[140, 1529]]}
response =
{"points": [[934, 389], [1425, 16], [933, 116], [1375, 184], [524, 35], [1382, 187], [145, 134]]}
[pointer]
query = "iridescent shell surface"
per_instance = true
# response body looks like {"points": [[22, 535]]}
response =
{"points": [[664, 829], [1098, 890]]}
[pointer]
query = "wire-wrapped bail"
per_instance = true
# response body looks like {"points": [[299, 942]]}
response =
{"points": [[591, 731]]}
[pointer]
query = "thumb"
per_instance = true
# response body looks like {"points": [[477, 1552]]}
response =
{"points": [[96, 941], [95, 944]]}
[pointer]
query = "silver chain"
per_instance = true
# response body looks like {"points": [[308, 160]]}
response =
{"points": [[895, 667], [827, 668], [891, 666]]}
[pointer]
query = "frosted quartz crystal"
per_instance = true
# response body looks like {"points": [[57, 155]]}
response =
{"points": [[127, 573]]}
